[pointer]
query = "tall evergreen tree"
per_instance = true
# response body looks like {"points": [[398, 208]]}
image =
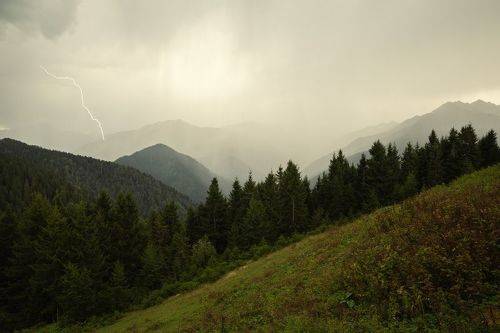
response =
{"points": [[361, 186], [236, 212], [78, 294], [469, 151], [409, 161], [254, 224], [451, 156], [340, 190], [268, 194], [118, 292], [179, 252], [213, 215], [433, 162], [292, 196], [152, 271], [24, 258], [393, 172], [377, 173], [489, 151], [128, 235]]}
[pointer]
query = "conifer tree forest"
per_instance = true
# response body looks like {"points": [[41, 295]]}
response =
{"points": [[69, 257]]}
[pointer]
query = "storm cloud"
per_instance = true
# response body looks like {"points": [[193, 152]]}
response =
{"points": [[317, 66], [51, 18]]}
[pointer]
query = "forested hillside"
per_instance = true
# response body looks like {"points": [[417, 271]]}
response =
{"points": [[428, 264], [174, 169], [34, 169], [68, 262]]}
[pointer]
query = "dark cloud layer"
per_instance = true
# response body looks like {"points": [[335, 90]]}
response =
{"points": [[51, 18]]}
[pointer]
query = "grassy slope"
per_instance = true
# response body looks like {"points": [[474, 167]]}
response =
{"points": [[303, 287]]}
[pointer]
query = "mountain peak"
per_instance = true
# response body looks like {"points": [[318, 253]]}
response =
{"points": [[175, 169], [480, 102]]}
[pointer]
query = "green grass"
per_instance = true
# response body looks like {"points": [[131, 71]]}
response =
{"points": [[429, 264]]}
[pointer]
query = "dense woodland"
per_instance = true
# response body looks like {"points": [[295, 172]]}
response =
{"points": [[68, 257], [45, 171]]}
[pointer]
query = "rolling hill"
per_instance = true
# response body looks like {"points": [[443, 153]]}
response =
{"points": [[426, 264], [92, 176], [482, 115], [174, 169]]}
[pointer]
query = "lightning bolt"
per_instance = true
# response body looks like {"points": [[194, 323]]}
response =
{"points": [[81, 96]]}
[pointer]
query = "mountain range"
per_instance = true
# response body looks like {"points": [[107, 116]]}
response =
{"points": [[227, 151], [483, 116]]}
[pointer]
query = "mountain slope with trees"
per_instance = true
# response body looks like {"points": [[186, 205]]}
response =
{"points": [[86, 174], [177, 170], [426, 264], [47, 274], [481, 115]]}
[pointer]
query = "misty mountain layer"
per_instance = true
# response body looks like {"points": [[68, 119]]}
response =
{"points": [[481, 115], [174, 169]]}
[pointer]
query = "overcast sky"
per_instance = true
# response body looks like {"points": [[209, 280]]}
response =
{"points": [[326, 65]]}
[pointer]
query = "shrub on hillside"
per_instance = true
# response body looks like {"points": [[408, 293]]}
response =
{"points": [[432, 257]]}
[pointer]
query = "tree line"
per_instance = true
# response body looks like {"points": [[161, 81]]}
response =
{"points": [[284, 203], [69, 260]]}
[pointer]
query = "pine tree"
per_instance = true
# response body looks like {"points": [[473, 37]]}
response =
{"points": [[77, 297], [468, 150], [236, 212], [128, 235], [254, 224], [196, 226], [393, 172], [340, 191], [268, 194], [161, 225], [119, 294], [409, 162], [321, 195], [361, 186], [213, 216], [7, 237], [377, 173], [433, 163], [152, 271], [248, 190], [292, 196], [407, 188], [24, 258], [179, 253], [489, 151], [451, 156]]}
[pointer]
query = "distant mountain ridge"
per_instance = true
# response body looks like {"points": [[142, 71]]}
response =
{"points": [[483, 116], [227, 151], [174, 169], [94, 176]]}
